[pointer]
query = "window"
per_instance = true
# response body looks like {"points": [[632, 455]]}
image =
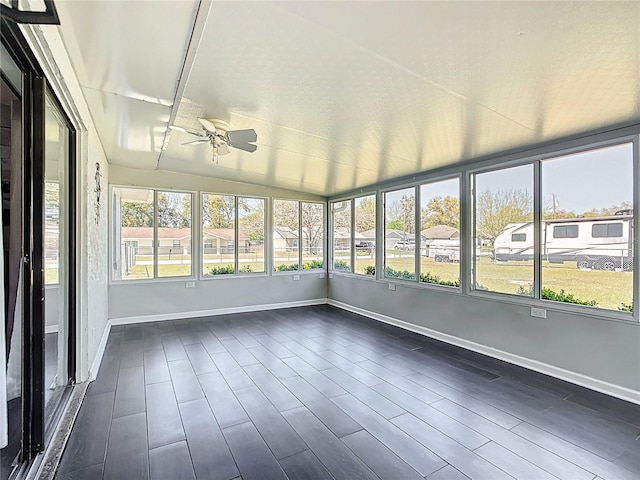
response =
{"points": [[52, 204], [519, 237], [565, 231], [174, 227], [399, 234], [365, 235], [589, 257], [606, 230], [251, 254], [342, 235], [440, 233], [503, 205], [298, 235], [312, 234], [133, 234], [286, 224], [218, 231]]}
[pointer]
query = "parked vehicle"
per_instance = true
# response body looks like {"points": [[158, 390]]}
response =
{"points": [[405, 245], [365, 246], [602, 243], [444, 250]]}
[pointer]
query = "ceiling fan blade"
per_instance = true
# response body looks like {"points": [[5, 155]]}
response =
{"points": [[242, 136], [207, 125], [197, 142], [223, 149], [247, 147]]}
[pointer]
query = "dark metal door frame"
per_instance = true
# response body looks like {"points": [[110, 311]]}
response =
{"points": [[34, 92]]}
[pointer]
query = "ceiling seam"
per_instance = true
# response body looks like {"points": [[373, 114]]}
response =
{"points": [[195, 38]]}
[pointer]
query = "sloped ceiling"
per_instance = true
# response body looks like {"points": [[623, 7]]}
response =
{"points": [[348, 94]]}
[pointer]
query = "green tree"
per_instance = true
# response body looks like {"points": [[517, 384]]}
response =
{"points": [[408, 213], [441, 211], [366, 214], [251, 220], [496, 209], [136, 214], [218, 211]]}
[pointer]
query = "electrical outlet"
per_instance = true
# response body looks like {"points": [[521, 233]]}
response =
{"points": [[331, 275], [190, 285], [538, 312], [321, 275], [296, 277], [392, 287]]}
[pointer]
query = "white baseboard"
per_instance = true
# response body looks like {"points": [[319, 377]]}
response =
{"points": [[216, 311], [623, 393], [51, 329], [97, 360]]}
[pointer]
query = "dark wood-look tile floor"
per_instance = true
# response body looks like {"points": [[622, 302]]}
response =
{"points": [[318, 392]]}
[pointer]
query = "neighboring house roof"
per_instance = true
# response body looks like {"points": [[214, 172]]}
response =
{"points": [[440, 232], [224, 233], [344, 232], [369, 233], [397, 234], [285, 232]]}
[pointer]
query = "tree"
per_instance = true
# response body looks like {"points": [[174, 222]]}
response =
{"points": [[136, 214], [496, 209], [285, 214], [218, 211], [342, 215], [366, 214], [251, 220], [603, 212], [171, 211], [408, 213], [395, 225], [441, 211], [312, 226]]}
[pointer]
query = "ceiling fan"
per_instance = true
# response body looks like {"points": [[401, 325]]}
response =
{"points": [[217, 133]]}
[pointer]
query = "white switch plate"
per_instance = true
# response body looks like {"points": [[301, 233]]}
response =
{"points": [[392, 286], [331, 275], [296, 277], [190, 285], [321, 275], [538, 312]]}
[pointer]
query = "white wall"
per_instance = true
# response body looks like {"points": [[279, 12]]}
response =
{"points": [[602, 354], [91, 244]]}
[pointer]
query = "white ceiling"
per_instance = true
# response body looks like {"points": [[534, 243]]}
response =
{"points": [[347, 94]]}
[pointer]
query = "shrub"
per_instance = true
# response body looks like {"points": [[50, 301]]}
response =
{"points": [[313, 264], [340, 265], [626, 307], [246, 269], [222, 270], [548, 294], [286, 268], [404, 274], [370, 270], [428, 278]]}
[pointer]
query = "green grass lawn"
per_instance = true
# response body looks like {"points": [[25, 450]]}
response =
{"points": [[608, 289]]}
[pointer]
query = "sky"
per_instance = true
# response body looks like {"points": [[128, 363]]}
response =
{"points": [[581, 182]]}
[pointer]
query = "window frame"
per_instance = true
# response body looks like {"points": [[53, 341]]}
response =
{"points": [[529, 156], [236, 262], [325, 255], [154, 241]]}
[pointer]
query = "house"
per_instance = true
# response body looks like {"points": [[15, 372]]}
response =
{"points": [[119, 360]]}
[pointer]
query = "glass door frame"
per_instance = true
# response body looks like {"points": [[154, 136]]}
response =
{"points": [[35, 89]]}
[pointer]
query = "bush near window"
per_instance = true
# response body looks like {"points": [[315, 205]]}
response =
{"points": [[222, 270], [561, 296], [340, 265], [428, 278], [313, 264], [370, 270], [285, 268], [626, 307]]}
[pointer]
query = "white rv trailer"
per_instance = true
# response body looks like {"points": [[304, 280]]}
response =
{"points": [[445, 250], [603, 243]]}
